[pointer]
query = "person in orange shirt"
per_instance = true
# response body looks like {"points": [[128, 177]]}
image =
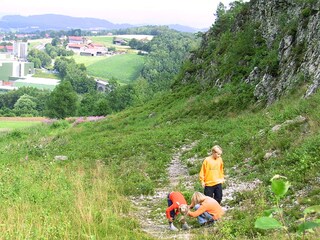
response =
{"points": [[212, 174], [207, 210], [176, 204]]}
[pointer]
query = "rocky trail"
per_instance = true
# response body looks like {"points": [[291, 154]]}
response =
{"points": [[148, 208]]}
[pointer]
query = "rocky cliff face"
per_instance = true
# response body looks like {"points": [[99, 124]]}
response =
{"points": [[299, 49], [291, 28]]}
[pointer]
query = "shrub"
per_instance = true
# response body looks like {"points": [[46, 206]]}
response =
{"points": [[279, 187]]}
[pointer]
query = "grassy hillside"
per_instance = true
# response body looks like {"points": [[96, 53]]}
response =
{"points": [[125, 68], [127, 153]]}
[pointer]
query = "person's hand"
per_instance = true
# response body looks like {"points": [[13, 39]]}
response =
{"points": [[203, 184], [170, 220]]}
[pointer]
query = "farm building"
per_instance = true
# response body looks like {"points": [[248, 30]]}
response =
{"points": [[90, 49], [11, 70]]}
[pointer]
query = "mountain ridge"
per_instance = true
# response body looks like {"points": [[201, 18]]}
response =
{"points": [[63, 22]]}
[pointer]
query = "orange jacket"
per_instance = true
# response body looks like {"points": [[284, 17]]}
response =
{"points": [[211, 206], [211, 172], [177, 199]]}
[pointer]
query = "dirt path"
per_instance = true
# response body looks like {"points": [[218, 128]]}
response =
{"points": [[148, 207], [154, 222]]}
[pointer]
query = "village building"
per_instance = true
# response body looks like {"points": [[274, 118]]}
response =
{"points": [[6, 49], [119, 41], [76, 48], [14, 65], [102, 86], [90, 49], [77, 40]]}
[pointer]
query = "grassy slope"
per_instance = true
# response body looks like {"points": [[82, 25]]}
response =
{"points": [[127, 154]]}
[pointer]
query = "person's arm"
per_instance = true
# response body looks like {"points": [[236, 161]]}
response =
{"points": [[222, 170], [169, 209], [198, 212], [202, 173]]}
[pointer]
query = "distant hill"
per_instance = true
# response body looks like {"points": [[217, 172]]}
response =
{"points": [[182, 28], [62, 22], [56, 22]]}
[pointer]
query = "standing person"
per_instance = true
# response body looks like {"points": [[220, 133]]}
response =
{"points": [[176, 204], [207, 210], [212, 174]]}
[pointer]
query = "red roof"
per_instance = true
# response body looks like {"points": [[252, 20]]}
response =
{"points": [[96, 45], [8, 48], [75, 38], [72, 45]]}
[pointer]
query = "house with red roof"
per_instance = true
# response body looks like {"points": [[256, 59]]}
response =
{"points": [[7, 49], [91, 49], [77, 40]]}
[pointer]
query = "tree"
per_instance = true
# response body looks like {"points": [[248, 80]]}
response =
{"points": [[121, 97], [56, 41], [77, 75], [44, 58], [142, 91], [94, 104], [62, 101], [25, 105]]}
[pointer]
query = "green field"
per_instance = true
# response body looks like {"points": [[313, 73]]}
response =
{"points": [[6, 126], [41, 74], [124, 68], [105, 40], [38, 86]]}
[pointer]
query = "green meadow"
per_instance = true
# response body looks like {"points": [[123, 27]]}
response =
{"points": [[125, 67], [105, 40], [9, 125]]}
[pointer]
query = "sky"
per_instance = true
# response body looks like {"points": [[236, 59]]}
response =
{"points": [[192, 13]]}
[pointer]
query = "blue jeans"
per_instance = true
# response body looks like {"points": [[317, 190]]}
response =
{"points": [[204, 217]]}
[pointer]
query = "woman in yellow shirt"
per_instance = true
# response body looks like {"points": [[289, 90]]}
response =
{"points": [[212, 174]]}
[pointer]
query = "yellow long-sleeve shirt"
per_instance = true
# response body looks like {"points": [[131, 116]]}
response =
{"points": [[211, 172]]}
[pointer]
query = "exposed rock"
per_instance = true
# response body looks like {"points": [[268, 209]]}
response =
{"points": [[60, 158], [306, 35], [298, 119], [254, 76], [271, 154]]}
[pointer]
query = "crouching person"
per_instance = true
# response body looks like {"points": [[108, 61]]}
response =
{"points": [[177, 204], [207, 209]]}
